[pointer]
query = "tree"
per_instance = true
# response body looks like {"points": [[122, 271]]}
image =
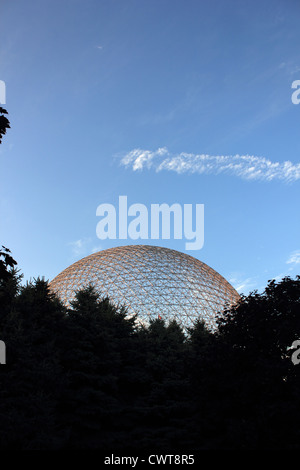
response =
{"points": [[32, 383], [6, 264], [87, 377], [95, 357], [10, 279], [261, 409], [4, 123], [160, 404]]}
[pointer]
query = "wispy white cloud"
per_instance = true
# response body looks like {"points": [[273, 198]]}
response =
{"points": [[139, 159], [248, 167], [294, 258], [80, 247], [243, 285]]}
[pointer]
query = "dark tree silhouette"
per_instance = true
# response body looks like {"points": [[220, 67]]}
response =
{"points": [[88, 377], [10, 278], [96, 357], [33, 379], [4, 123], [257, 376], [7, 263]]}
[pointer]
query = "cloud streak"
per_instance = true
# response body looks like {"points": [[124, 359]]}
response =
{"points": [[79, 247], [294, 258], [248, 167], [243, 285]]}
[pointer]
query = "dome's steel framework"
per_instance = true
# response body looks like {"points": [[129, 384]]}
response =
{"points": [[152, 282]]}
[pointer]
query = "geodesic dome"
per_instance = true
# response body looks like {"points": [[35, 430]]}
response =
{"points": [[152, 282]]}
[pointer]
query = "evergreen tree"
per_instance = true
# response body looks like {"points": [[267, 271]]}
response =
{"points": [[161, 404], [32, 382], [94, 359], [88, 377]]}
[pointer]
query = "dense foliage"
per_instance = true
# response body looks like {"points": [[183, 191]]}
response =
{"points": [[88, 378], [4, 123]]}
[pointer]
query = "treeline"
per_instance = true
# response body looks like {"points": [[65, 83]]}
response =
{"points": [[88, 377]]}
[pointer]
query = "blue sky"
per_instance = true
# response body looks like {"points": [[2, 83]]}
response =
{"points": [[94, 89]]}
